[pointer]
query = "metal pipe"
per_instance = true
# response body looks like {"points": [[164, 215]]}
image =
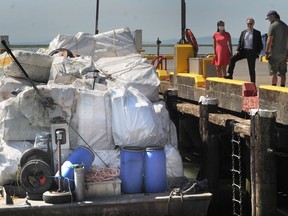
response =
{"points": [[97, 16], [79, 182], [59, 141], [158, 46], [183, 21]]}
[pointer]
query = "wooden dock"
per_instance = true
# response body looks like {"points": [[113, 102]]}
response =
{"points": [[241, 71], [211, 134]]}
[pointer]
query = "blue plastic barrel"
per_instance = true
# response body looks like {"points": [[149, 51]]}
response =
{"points": [[131, 169], [81, 155], [155, 170]]}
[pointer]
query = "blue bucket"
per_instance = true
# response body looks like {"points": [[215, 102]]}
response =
{"points": [[155, 170], [131, 169], [81, 155]]}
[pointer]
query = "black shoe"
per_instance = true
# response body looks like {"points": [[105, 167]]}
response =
{"points": [[228, 77]]}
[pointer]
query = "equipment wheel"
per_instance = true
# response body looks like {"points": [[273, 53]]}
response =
{"points": [[34, 154], [57, 197], [36, 177], [34, 196]]}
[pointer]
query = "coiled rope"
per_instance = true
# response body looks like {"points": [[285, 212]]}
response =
{"points": [[101, 174]]}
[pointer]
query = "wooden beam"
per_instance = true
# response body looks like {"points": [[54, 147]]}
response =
{"points": [[242, 126]]}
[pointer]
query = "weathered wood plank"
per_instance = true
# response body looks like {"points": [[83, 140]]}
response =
{"points": [[242, 126], [188, 108]]}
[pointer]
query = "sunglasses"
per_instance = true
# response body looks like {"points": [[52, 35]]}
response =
{"points": [[249, 23]]}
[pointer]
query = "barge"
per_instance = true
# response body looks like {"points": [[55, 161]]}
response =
{"points": [[76, 104]]}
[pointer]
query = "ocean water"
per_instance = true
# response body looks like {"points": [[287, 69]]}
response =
{"points": [[149, 49], [169, 49]]}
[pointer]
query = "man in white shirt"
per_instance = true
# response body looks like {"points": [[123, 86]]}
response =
{"points": [[249, 47]]}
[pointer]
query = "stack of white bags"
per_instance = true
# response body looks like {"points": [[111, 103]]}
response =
{"points": [[107, 93]]}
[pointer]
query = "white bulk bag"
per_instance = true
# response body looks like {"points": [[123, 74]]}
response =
{"points": [[81, 43], [9, 84], [92, 120], [131, 70], [107, 157], [119, 42], [174, 164], [22, 117], [10, 155], [134, 121], [36, 65], [170, 132], [67, 70]]}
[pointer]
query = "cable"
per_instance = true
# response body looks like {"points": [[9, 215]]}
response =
{"points": [[86, 143]]}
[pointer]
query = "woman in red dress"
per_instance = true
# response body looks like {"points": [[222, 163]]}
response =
{"points": [[222, 49]]}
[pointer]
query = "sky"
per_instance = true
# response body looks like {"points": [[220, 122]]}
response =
{"points": [[39, 21]]}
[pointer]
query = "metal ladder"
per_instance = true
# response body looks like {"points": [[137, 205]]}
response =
{"points": [[236, 175]]}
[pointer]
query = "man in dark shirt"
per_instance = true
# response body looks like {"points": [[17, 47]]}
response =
{"points": [[276, 48]]}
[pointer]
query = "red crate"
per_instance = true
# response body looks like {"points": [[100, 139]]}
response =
{"points": [[249, 89], [249, 103]]}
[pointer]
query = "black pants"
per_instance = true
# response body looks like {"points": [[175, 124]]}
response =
{"points": [[251, 56]]}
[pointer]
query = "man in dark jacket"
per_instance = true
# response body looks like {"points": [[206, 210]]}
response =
{"points": [[249, 47]]}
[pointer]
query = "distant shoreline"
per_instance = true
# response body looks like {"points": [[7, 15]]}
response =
{"points": [[148, 49], [29, 45], [170, 45], [144, 45]]}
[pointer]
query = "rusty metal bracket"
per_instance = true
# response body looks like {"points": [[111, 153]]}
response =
{"points": [[281, 154]]}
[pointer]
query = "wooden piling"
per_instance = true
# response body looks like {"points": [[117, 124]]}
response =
{"points": [[209, 154], [263, 163], [204, 134]]}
